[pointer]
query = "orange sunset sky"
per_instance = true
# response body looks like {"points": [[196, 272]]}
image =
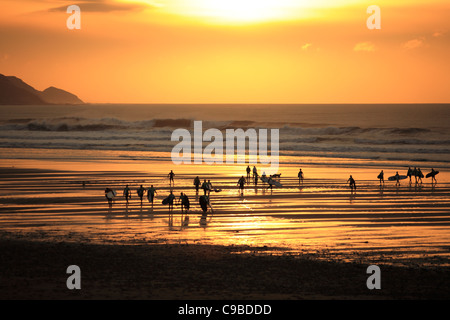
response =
{"points": [[234, 51]]}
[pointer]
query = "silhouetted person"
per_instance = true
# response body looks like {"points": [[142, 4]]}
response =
{"points": [[184, 202], [397, 179], [300, 176], [127, 193], [419, 175], [140, 192], [210, 187], [433, 175], [255, 172], [415, 173], [170, 199], [270, 182], [108, 190], [248, 172], [241, 184], [197, 183], [171, 176], [352, 183], [151, 194], [255, 177], [381, 177], [205, 187], [409, 174]]}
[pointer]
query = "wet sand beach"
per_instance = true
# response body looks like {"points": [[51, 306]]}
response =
{"points": [[318, 237]]}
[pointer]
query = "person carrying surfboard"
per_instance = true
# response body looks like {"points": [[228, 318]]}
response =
{"points": [[352, 182], [381, 177], [127, 193], [170, 199], [397, 179], [151, 194], [197, 183], [409, 174], [108, 192], [419, 175], [433, 174], [184, 202], [241, 184]]}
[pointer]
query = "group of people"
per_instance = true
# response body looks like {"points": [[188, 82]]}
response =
{"points": [[416, 173]]}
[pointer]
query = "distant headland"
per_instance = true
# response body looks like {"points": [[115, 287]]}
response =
{"points": [[14, 91]]}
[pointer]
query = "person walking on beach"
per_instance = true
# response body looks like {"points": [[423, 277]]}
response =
{"points": [[197, 183], [352, 183], [256, 176], [248, 172], [241, 184], [255, 172], [170, 199], [127, 193], [205, 187], [184, 202], [140, 192], [409, 174], [151, 194], [210, 187], [109, 197], [381, 177], [171, 175], [397, 179], [415, 174], [433, 174], [300, 177], [419, 175], [270, 182]]}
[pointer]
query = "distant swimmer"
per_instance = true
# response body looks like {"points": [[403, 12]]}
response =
{"points": [[248, 172], [140, 192], [197, 183], [151, 194], [300, 176], [241, 184], [352, 183], [127, 193], [381, 177], [171, 176], [409, 174]]}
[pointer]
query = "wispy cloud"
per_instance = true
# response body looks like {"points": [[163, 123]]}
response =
{"points": [[364, 46], [106, 6], [414, 43]]}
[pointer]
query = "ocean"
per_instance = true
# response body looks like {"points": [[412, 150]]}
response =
{"points": [[397, 134]]}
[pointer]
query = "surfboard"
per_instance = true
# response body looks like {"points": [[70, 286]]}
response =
{"points": [[275, 183], [111, 194], [217, 190], [394, 178], [379, 176], [432, 174], [264, 179]]}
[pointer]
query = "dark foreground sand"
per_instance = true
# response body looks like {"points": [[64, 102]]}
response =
{"points": [[37, 270]]}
